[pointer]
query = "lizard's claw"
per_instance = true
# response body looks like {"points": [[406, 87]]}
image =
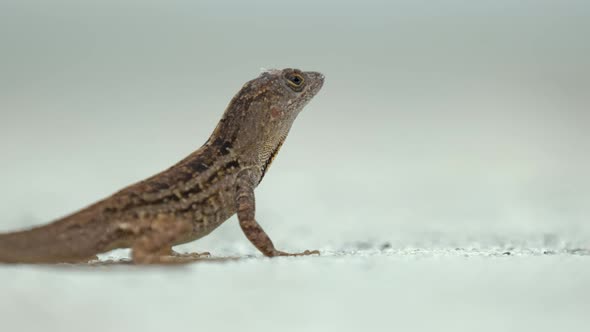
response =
{"points": [[311, 252], [305, 253], [191, 254]]}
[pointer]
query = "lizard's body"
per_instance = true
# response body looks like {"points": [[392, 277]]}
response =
{"points": [[190, 199]]}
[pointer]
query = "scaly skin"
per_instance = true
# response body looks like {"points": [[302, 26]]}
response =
{"points": [[190, 199]]}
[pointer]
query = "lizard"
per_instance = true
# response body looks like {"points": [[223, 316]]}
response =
{"points": [[190, 199]]}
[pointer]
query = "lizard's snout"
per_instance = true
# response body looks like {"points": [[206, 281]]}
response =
{"points": [[318, 80]]}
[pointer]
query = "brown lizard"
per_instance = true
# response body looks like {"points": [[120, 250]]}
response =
{"points": [[190, 199]]}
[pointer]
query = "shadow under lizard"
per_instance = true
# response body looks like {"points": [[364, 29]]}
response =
{"points": [[190, 199]]}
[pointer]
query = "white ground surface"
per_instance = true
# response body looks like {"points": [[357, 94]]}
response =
{"points": [[410, 289]]}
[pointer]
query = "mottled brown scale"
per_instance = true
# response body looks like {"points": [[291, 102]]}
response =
{"points": [[190, 199]]}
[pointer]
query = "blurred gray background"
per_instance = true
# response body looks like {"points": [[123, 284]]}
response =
{"points": [[440, 122]]}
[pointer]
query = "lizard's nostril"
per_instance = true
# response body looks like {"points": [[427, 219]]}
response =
{"points": [[320, 77]]}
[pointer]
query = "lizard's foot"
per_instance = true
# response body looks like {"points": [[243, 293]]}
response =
{"points": [[168, 256], [190, 254], [175, 258], [305, 253]]}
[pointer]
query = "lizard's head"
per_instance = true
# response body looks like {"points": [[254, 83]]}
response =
{"points": [[277, 96], [259, 117], [288, 90]]}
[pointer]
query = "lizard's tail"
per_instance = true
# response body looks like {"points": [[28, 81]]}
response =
{"points": [[58, 242]]}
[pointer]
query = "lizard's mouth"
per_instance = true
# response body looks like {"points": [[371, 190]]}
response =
{"points": [[316, 81]]}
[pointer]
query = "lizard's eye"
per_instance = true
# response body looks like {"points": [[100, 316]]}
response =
{"points": [[294, 80]]}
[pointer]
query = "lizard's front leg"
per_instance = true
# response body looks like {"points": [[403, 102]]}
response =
{"points": [[246, 207]]}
